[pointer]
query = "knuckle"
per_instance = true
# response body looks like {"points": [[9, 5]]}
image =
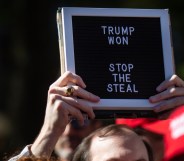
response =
{"points": [[174, 78], [76, 90], [52, 98], [61, 108], [172, 91], [51, 89], [60, 104], [68, 73]]}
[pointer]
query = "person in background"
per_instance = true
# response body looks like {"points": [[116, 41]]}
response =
{"points": [[112, 143]]}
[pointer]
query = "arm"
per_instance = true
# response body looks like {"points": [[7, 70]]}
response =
{"points": [[59, 108]]}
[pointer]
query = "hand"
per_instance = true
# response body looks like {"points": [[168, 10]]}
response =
{"points": [[59, 109], [171, 94], [58, 100]]}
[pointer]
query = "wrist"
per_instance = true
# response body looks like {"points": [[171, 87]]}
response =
{"points": [[44, 144]]}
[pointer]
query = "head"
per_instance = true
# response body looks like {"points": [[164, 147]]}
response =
{"points": [[72, 137], [154, 140], [112, 143]]}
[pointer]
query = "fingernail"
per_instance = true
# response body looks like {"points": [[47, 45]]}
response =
{"points": [[98, 98], [151, 99]]}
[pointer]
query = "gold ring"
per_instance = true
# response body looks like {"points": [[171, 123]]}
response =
{"points": [[69, 91]]}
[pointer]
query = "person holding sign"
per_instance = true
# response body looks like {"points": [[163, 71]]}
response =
{"points": [[63, 105]]}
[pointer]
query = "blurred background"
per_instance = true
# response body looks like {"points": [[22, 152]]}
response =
{"points": [[30, 62]]}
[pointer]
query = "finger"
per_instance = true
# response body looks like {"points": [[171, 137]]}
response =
{"points": [[82, 93], [78, 92], [169, 93], [173, 81], [169, 104], [177, 81], [73, 101], [57, 101], [57, 90], [80, 104], [69, 77], [71, 111]]}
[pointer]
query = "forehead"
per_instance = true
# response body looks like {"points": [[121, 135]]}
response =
{"points": [[116, 148]]}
